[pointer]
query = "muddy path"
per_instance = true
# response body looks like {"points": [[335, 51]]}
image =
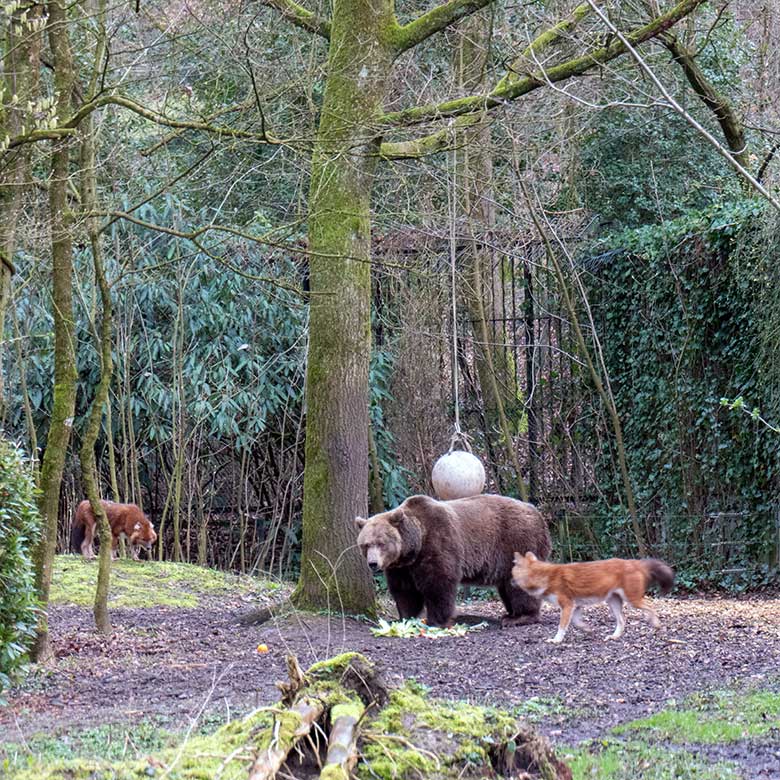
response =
{"points": [[175, 664]]}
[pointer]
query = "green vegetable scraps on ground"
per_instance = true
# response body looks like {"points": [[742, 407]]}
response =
{"points": [[414, 627]]}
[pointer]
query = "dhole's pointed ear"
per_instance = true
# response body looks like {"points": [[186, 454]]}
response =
{"points": [[529, 556], [518, 557], [360, 521]]}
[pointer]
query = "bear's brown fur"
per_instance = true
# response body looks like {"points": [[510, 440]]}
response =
{"points": [[426, 548]]}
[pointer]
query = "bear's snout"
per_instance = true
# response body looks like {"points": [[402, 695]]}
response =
{"points": [[374, 559]]}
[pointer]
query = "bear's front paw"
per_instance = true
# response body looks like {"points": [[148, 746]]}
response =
{"points": [[507, 621]]}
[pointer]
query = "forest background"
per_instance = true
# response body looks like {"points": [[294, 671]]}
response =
{"points": [[170, 176]]}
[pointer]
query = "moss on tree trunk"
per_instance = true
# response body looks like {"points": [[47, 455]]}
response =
{"points": [[102, 336], [65, 374], [22, 48], [333, 574]]}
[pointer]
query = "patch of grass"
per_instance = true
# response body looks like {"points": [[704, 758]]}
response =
{"points": [[150, 583], [109, 743], [723, 716], [122, 753], [636, 760], [537, 708]]}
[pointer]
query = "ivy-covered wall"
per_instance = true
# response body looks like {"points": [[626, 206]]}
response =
{"points": [[686, 312]]}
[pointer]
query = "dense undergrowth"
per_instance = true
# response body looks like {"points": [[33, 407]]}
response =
{"points": [[19, 529]]}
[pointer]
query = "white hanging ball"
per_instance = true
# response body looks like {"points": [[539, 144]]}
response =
{"points": [[458, 474]]}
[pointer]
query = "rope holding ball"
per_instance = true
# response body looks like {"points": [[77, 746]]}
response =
{"points": [[459, 473]]}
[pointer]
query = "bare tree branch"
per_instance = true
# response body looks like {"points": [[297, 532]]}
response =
{"points": [[448, 137], [529, 58], [730, 123], [69, 126], [435, 20], [696, 125], [511, 88], [301, 17]]}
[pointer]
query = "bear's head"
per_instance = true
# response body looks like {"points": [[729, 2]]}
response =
{"points": [[381, 538]]}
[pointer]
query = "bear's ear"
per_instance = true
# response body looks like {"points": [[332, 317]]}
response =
{"points": [[360, 522], [530, 556], [397, 518]]}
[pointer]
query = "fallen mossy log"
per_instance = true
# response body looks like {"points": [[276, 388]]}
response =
{"points": [[288, 730], [371, 733], [342, 742]]}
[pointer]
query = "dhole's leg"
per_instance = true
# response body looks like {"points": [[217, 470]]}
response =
{"points": [[567, 610], [522, 608], [114, 547], [408, 600], [616, 605], [86, 546], [576, 619], [650, 614]]}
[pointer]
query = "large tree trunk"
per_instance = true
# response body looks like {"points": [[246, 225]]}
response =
{"points": [[21, 75], [65, 375], [333, 574]]}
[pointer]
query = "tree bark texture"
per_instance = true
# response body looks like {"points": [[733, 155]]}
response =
{"points": [[729, 121], [103, 340], [333, 573], [21, 76]]}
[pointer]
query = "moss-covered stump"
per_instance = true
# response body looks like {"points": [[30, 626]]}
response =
{"points": [[416, 737], [337, 720]]}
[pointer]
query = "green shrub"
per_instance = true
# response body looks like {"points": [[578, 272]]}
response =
{"points": [[19, 527]]}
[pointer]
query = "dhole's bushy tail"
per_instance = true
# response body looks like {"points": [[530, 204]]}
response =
{"points": [[78, 530], [659, 574], [77, 534]]}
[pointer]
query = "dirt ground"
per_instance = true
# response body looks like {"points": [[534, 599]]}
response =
{"points": [[177, 663]]}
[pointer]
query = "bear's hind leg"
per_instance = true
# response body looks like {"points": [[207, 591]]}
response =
{"points": [[522, 608], [408, 600]]}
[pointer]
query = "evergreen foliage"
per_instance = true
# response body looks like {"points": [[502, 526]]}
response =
{"points": [[682, 308], [19, 529]]}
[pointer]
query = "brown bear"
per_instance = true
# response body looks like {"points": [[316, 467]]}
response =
{"points": [[426, 548]]}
